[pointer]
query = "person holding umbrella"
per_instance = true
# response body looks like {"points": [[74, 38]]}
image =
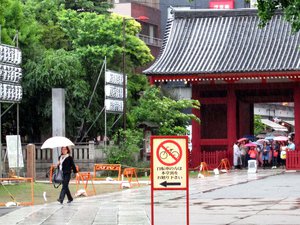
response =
{"points": [[66, 164], [237, 155]]}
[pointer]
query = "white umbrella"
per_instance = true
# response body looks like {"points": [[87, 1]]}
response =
{"points": [[56, 142], [280, 138]]}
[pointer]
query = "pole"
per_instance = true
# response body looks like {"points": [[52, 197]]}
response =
{"points": [[18, 144], [124, 75], [105, 125], [0, 142]]}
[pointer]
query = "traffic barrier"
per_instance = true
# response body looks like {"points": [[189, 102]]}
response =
{"points": [[129, 173], [203, 168], [112, 167], [85, 177], [224, 165]]}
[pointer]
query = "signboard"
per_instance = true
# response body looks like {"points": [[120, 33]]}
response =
{"points": [[112, 77], [169, 167], [169, 161], [114, 105], [114, 91], [10, 54], [14, 151], [219, 4], [10, 74]]}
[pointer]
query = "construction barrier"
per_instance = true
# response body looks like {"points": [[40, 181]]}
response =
{"points": [[203, 168], [224, 165], [129, 173], [15, 194], [85, 177], [107, 167]]}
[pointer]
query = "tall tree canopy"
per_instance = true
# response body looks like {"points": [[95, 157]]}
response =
{"points": [[291, 9], [64, 46]]}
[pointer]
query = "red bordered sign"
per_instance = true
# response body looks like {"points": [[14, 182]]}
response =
{"points": [[169, 162], [169, 166]]}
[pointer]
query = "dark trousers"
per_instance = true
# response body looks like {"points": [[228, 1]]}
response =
{"points": [[65, 188]]}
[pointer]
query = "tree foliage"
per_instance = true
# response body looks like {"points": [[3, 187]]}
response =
{"points": [[258, 125], [97, 6], [63, 45], [165, 112], [291, 9], [128, 147]]}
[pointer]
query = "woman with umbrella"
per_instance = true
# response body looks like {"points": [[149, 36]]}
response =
{"points": [[276, 151], [244, 151], [66, 164], [265, 154], [237, 155]]}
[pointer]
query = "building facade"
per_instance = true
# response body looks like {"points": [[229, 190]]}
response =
{"points": [[230, 64]]}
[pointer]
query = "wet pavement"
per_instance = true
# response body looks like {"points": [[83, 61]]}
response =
{"points": [[268, 197]]}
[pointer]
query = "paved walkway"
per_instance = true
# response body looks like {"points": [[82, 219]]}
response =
{"points": [[268, 197]]}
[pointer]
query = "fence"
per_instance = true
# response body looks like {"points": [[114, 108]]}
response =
{"points": [[213, 158], [293, 160], [85, 156]]}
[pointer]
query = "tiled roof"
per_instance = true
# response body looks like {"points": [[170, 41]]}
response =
{"points": [[226, 41]]}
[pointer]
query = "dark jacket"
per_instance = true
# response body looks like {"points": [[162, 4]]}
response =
{"points": [[68, 165]]}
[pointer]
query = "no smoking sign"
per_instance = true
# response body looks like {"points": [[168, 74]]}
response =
{"points": [[169, 162]]}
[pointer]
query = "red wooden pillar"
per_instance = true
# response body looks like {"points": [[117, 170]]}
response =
{"points": [[231, 120], [196, 135], [297, 116], [245, 112]]}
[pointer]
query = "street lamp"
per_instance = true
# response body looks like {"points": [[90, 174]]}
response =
{"points": [[142, 18]]}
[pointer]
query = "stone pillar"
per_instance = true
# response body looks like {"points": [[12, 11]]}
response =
{"points": [[31, 166], [91, 150], [58, 117]]}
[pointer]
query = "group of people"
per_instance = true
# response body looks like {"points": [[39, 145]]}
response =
{"points": [[267, 153]]}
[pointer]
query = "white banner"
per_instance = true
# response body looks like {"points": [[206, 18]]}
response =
{"points": [[14, 151], [114, 105], [10, 54], [10, 93], [113, 77], [10, 73], [112, 91]]}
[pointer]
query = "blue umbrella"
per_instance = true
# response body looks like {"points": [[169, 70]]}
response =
{"points": [[269, 138]]}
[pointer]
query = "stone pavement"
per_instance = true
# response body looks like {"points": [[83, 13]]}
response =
{"points": [[268, 197]]}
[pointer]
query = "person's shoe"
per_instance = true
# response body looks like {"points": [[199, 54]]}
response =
{"points": [[60, 201], [69, 201]]}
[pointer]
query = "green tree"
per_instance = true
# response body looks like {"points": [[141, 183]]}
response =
{"points": [[97, 36], [258, 125], [127, 148], [57, 69], [66, 48], [97, 6], [291, 9], [165, 112]]}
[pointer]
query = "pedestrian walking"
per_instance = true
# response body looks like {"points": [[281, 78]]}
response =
{"points": [[66, 164]]}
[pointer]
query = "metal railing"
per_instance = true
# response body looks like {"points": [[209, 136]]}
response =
{"points": [[151, 40]]}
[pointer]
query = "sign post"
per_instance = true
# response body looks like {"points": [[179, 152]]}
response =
{"points": [[169, 167]]}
